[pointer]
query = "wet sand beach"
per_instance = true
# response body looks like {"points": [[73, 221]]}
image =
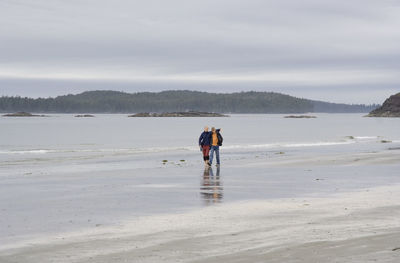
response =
{"points": [[355, 225], [316, 190]]}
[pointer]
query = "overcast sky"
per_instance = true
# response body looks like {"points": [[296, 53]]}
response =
{"points": [[334, 50]]}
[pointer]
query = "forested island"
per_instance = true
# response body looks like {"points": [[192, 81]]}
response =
{"points": [[390, 108], [175, 101]]}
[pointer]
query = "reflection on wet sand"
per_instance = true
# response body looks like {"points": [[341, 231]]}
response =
{"points": [[211, 189]]}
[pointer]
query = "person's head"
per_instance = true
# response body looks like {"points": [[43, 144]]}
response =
{"points": [[213, 129], [206, 128]]}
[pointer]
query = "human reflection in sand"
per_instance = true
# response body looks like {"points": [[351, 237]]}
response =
{"points": [[211, 189]]}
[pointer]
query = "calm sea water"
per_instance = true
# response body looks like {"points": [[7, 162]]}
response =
{"points": [[61, 173], [64, 136]]}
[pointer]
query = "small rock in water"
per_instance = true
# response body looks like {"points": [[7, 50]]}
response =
{"points": [[84, 115], [179, 114], [23, 114], [300, 117]]}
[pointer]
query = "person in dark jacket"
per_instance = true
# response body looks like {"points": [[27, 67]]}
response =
{"points": [[205, 143], [216, 142]]}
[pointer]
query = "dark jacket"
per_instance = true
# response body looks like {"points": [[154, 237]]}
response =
{"points": [[220, 138], [205, 139]]}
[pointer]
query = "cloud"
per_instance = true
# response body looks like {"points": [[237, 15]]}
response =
{"points": [[219, 43]]}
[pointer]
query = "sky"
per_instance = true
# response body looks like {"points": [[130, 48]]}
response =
{"points": [[333, 50]]}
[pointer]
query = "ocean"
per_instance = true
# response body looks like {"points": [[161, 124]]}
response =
{"points": [[59, 138]]}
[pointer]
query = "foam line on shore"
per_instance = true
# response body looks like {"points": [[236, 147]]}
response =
{"points": [[359, 139]]}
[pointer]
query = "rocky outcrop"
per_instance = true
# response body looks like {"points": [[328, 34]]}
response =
{"points": [[23, 114], [84, 116], [179, 114], [390, 108], [300, 117]]}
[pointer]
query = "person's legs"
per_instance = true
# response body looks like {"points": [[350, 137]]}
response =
{"points": [[206, 150], [216, 149], [208, 155], [211, 154]]}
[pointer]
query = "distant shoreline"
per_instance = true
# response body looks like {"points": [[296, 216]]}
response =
{"points": [[104, 101], [77, 115]]}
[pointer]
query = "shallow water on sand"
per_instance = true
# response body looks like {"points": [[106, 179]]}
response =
{"points": [[63, 173]]}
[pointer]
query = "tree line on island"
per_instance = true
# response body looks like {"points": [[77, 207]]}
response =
{"points": [[176, 101]]}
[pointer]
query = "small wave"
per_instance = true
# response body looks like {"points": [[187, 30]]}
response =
{"points": [[366, 137], [122, 151], [286, 145], [27, 151], [110, 150], [317, 144]]}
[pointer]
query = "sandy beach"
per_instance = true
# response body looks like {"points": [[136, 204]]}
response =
{"points": [[199, 131], [354, 226]]}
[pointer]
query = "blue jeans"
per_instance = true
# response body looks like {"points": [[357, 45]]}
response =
{"points": [[216, 150]]}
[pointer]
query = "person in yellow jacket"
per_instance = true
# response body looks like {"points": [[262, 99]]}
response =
{"points": [[216, 142]]}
